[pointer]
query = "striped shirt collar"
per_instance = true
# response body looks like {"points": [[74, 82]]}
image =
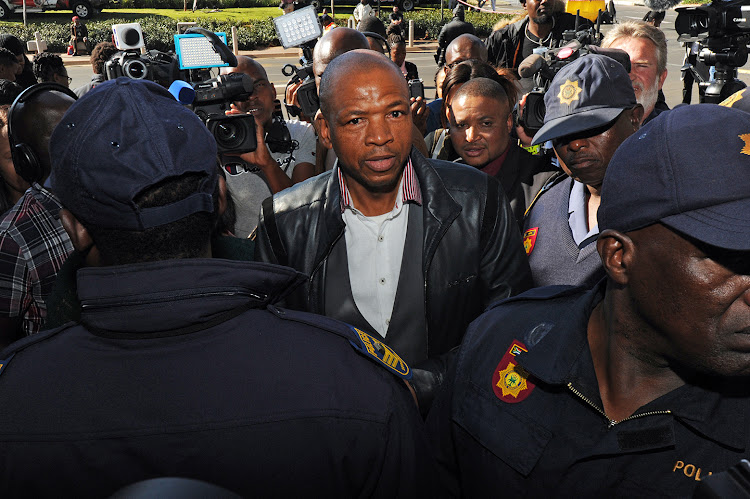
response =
{"points": [[409, 188]]}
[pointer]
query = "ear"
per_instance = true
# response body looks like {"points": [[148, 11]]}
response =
{"points": [[325, 132], [616, 251], [636, 116], [80, 237], [510, 122], [222, 195], [662, 78]]}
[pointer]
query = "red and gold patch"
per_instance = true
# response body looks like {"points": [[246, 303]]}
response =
{"points": [[529, 239], [510, 381]]}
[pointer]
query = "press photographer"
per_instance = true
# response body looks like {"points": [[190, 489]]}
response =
{"points": [[273, 166]]}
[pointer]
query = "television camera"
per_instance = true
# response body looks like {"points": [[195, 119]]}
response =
{"points": [[187, 75], [723, 31]]}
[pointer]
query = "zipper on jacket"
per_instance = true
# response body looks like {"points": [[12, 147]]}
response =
{"points": [[116, 302], [612, 422]]}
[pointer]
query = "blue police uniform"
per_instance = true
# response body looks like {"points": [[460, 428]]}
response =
{"points": [[522, 414], [186, 368]]}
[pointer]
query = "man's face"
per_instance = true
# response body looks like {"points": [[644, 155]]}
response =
{"points": [[370, 127], [480, 129], [62, 78], [585, 156], [695, 299], [643, 70], [261, 102], [398, 53], [540, 11], [9, 72]]}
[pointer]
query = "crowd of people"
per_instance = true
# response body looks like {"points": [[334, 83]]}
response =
{"points": [[400, 299]]}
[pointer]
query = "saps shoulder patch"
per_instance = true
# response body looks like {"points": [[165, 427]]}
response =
{"points": [[381, 353]]}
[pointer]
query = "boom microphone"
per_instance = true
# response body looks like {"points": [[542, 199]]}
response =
{"points": [[531, 65], [661, 4]]}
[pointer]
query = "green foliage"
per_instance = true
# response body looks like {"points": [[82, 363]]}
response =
{"points": [[427, 22], [158, 30]]}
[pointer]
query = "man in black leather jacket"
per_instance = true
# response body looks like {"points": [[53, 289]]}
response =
{"points": [[458, 248]]}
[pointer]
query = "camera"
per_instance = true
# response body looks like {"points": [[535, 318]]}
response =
{"points": [[416, 88], [234, 133], [307, 93], [723, 29], [155, 66]]}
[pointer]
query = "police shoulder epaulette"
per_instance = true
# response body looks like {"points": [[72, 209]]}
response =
{"points": [[364, 343], [542, 293], [7, 353]]}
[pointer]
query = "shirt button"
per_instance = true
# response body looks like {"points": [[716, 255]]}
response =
{"points": [[380, 238], [382, 280], [387, 322]]}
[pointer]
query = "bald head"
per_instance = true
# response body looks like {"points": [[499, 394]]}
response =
{"points": [[35, 119], [355, 62], [246, 65], [465, 47], [334, 43]]}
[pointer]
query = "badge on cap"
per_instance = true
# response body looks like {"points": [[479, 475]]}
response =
{"points": [[569, 92], [529, 239], [732, 99], [510, 381], [381, 353], [746, 138]]}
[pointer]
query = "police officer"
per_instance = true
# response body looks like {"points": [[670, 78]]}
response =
{"points": [[591, 109], [638, 386], [181, 364]]}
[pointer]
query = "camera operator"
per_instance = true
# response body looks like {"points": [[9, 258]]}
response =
{"points": [[647, 47], [276, 171], [542, 27], [591, 110]]}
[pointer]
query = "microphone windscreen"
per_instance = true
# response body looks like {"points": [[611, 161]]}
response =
{"points": [[530, 66], [182, 91], [661, 4]]}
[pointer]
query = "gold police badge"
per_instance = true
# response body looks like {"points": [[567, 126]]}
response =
{"points": [[569, 92], [746, 138]]}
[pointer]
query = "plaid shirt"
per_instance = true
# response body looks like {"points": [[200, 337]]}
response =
{"points": [[33, 247]]}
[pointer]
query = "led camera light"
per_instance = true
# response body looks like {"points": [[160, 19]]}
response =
{"points": [[195, 51], [298, 27]]}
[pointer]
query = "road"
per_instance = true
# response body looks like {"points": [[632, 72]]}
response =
{"points": [[426, 64]]}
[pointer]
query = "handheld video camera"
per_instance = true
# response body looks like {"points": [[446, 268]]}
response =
{"points": [[234, 133], [723, 29]]}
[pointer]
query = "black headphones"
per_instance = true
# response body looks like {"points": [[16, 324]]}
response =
{"points": [[25, 159]]}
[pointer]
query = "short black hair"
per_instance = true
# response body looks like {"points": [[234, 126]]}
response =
{"points": [[46, 66], [102, 52], [396, 39], [9, 90], [7, 58], [184, 238]]}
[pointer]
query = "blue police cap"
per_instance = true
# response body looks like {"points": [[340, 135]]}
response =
{"points": [[587, 93], [120, 139], [689, 169]]}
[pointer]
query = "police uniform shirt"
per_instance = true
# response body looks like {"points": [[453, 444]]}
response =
{"points": [[522, 414]]}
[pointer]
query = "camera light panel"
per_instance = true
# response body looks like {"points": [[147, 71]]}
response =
{"points": [[298, 27], [195, 51]]}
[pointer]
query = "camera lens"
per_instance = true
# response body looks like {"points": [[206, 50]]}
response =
{"points": [[229, 136], [135, 69]]}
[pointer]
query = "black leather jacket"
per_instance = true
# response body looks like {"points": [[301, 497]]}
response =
{"points": [[472, 252]]}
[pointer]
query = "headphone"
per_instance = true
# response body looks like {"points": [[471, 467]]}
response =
{"points": [[25, 159]]}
